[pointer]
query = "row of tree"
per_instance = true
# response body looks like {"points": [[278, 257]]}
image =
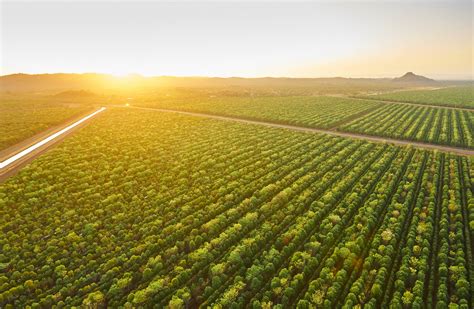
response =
{"points": [[425, 124]]}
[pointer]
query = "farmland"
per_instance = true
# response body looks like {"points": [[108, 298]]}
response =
{"points": [[408, 122], [426, 124], [173, 210], [236, 155], [21, 118], [451, 96], [318, 111]]}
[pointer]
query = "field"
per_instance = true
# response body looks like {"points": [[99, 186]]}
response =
{"points": [[451, 96], [413, 123], [236, 155], [318, 111], [21, 118], [425, 124], [181, 211]]}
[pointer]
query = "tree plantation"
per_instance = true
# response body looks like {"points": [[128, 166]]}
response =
{"points": [[318, 111], [21, 118], [237, 154], [437, 125], [149, 209], [460, 96], [425, 124]]}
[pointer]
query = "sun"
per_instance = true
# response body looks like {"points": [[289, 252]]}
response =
{"points": [[120, 74]]}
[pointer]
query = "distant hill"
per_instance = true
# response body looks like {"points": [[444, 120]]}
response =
{"points": [[411, 77], [51, 82], [76, 94], [102, 83]]}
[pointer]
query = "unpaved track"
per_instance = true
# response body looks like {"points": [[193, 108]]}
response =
{"points": [[21, 154], [377, 139]]}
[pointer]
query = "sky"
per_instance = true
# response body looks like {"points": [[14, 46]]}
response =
{"points": [[239, 38]]}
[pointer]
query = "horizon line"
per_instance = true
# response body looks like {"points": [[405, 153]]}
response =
{"points": [[128, 75]]}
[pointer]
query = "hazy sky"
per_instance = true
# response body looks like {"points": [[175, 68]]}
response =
{"points": [[239, 38]]}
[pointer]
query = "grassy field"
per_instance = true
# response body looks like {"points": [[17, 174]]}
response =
{"points": [[142, 208], [451, 96]]}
